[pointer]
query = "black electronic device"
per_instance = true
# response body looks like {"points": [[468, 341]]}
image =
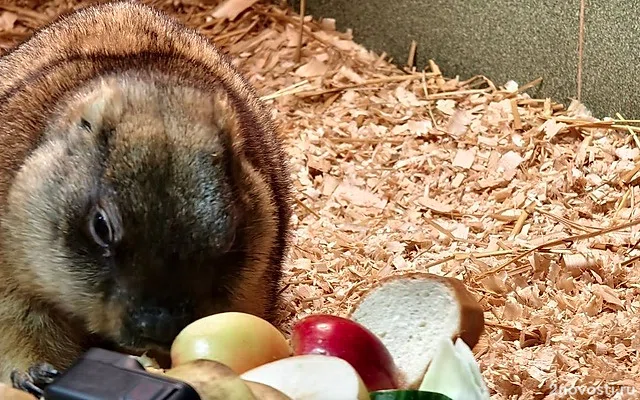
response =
{"points": [[106, 375]]}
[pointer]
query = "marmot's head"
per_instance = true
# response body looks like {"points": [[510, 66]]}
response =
{"points": [[138, 213]]}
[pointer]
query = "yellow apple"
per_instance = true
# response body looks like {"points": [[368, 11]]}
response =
{"points": [[240, 341]]}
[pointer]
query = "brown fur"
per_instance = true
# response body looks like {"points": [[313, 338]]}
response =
{"points": [[157, 98]]}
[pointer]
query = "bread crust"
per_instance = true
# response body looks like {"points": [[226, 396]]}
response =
{"points": [[120, 42], [471, 312], [471, 325]]}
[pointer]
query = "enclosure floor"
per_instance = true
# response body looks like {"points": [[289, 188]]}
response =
{"points": [[533, 206]]}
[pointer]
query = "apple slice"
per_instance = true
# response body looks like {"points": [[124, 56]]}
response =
{"points": [[311, 377], [238, 340], [341, 337]]}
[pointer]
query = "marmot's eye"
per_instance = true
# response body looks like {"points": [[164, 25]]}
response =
{"points": [[85, 124], [101, 228]]}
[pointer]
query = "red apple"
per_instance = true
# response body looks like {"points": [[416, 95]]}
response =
{"points": [[346, 339]]}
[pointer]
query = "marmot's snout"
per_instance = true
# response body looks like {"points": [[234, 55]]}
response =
{"points": [[157, 325]]}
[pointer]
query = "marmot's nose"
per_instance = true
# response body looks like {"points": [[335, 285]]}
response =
{"points": [[158, 324]]}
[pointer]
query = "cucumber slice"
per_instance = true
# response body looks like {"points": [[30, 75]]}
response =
{"points": [[406, 395]]}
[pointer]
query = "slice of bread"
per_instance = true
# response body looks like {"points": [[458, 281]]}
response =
{"points": [[412, 312]]}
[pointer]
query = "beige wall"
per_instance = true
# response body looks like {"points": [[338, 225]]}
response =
{"points": [[509, 39]]}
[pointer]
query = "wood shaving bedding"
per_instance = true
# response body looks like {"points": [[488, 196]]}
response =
{"points": [[533, 205]]}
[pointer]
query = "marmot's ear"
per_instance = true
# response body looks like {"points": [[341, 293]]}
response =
{"points": [[226, 118], [103, 105]]}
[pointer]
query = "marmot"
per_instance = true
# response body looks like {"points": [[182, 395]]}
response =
{"points": [[143, 185]]}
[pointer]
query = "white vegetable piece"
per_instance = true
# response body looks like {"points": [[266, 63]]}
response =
{"points": [[455, 373], [311, 377]]}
